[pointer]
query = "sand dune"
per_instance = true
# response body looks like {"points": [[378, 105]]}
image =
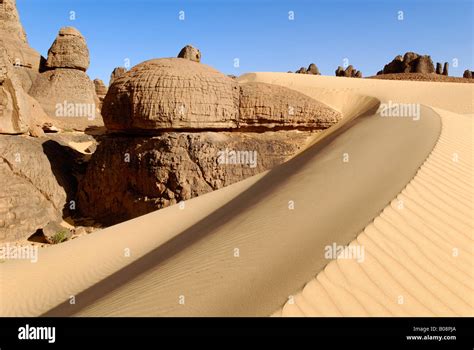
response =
{"points": [[241, 250], [419, 252]]}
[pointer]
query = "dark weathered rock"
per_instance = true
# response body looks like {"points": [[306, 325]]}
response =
{"points": [[411, 62], [131, 176], [468, 74], [313, 69], [350, 72], [445, 68], [302, 70], [190, 53], [439, 68], [424, 64]]}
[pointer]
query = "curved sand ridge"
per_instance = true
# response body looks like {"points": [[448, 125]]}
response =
{"points": [[419, 252], [188, 255]]}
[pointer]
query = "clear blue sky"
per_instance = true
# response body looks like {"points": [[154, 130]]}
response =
{"points": [[259, 32]]}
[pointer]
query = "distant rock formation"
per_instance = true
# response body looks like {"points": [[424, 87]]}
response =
{"points": [[204, 132], [312, 69], [69, 50], [468, 74], [190, 53], [411, 62], [117, 73], [350, 72], [445, 69], [439, 69], [65, 91], [100, 90]]}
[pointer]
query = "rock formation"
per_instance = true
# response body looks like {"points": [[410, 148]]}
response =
{"points": [[171, 93], [19, 112], [13, 39], [312, 69], [33, 190], [182, 129], [65, 91], [468, 74], [350, 72], [69, 50], [190, 53], [439, 69], [131, 176], [445, 69], [410, 63], [100, 90], [117, 73], [272, 106]]}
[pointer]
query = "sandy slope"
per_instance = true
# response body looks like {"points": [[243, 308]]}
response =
{"points": [[419, 253], [190, 252]]}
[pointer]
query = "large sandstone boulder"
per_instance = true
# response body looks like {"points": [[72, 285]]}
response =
{"points": [[271, 106], [19, 112], [131, 176], [68, 97], [69, 50], [33, 190], [190, 53], [468, 74], [171, 93]]}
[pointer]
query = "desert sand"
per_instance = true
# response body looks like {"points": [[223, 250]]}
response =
{"points": [[245, 249]]}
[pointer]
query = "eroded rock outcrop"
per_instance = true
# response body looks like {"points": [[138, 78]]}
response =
{"points": [[31, 195], [349, 72], [191, 53], [312, 69], [69, 50], [65, 91], [171, 93], [271, 106], [19, 112], [411, 62], [117, 73], [131, 176], [203, 131], [100, 90], [26, 60], [468, 74]]}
